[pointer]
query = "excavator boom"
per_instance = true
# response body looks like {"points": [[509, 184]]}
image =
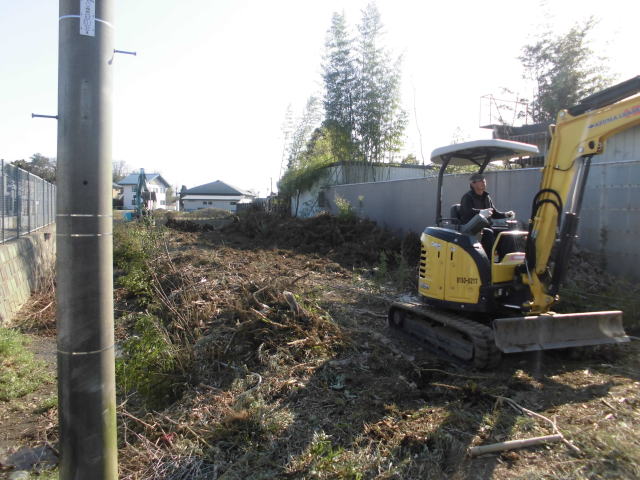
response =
{"points": [[579, 134], [575, 139]]}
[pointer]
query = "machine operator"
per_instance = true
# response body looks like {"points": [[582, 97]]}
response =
{"points": [[477, 201]]}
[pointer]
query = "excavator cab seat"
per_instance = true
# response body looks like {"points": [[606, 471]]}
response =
{"points": [[455, 214], [453, 222]]}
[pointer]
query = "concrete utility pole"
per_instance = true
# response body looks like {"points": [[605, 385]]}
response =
{"points": [[86, 379]]}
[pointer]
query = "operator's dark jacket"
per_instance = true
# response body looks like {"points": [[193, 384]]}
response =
{"points": [[471, 204]]}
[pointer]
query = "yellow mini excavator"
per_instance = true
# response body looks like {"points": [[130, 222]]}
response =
{"points": [[475, 305]]}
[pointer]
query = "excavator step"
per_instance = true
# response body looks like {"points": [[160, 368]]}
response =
{"points": [[551, 331]]}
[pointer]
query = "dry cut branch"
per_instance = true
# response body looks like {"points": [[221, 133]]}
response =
{"points": [[513, 444], [520, 408]]}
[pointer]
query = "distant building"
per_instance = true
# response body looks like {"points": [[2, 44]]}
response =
{"points": [[157, 187], [216, 194]]}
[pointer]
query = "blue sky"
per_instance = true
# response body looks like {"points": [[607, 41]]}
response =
{"points": [[206, 95]]}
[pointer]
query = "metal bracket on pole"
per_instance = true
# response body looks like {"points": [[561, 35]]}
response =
{"points": [[124, 52], [37, 115]]}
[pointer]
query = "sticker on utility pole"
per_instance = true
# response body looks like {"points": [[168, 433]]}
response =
{"points": [[88, 17]]}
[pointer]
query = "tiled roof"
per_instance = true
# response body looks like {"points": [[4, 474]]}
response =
{"points": [[217, 188], [211, 197]]}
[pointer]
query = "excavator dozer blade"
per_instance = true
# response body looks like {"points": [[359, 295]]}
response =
{"points": [[549, 331]]}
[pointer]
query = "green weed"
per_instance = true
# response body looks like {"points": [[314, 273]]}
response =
{"points": [[135, 247], [394, 268], [151, 365], [345, 210], [525, 424], [323, 448], [47, 404], [137, 281], [326, 460], [20, 373], [382, 270]]}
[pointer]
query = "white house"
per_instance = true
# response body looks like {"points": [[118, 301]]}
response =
{"points": [[214, 195], [157, 186]]}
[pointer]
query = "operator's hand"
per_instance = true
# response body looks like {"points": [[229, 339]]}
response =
{"points": [[510, 214], [487, 212]]}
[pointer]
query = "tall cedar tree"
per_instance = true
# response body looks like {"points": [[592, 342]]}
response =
{"points": [[339, 75], [363, 117], [380, 120], [362, 91], [564, 70]]}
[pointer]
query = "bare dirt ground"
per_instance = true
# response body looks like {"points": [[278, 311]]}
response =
{"points": [[286, 369]]}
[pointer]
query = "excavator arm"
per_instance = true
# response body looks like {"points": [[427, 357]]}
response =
{"points": [[580, 133]]}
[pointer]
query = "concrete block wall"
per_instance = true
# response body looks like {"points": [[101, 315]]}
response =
{"points": [[24, 263]]}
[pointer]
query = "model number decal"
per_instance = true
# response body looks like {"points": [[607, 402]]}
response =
{"points": [[467, 280]]}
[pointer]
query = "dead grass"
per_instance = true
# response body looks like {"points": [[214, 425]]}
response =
{"points": [[318, 388], [38, 314], [312, 384]]}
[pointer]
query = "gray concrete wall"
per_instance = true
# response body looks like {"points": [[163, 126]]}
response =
{"points": [[23, 265], [409, 205], [610, 216], [307, 204]]}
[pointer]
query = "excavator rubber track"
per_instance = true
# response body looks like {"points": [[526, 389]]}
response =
{"points": [[451, 335]]}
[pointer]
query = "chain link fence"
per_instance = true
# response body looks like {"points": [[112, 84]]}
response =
{"points": [[27, 202]]}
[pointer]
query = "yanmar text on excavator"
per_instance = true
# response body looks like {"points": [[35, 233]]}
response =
{"points": [[474, 304]]}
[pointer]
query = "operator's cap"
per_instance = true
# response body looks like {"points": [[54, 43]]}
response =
{"points": [[476, 177]]}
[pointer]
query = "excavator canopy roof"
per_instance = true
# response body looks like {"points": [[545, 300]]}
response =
{"points": [[479, 151]]}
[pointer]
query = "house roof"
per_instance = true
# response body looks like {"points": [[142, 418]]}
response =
{"points": [[132, 179], [217, 188], [211, 197]]}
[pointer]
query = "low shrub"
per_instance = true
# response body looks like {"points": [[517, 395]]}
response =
{"points": [[151, 365]]}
